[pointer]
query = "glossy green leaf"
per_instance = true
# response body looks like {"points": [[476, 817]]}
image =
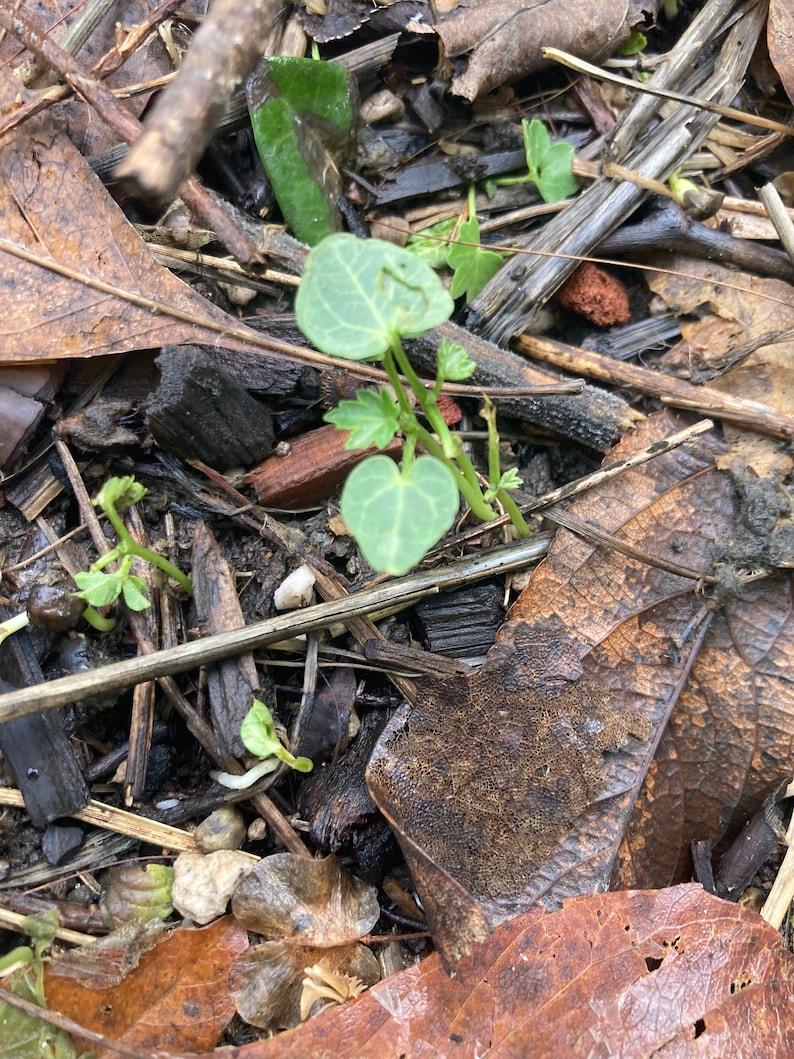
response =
{"points": [[397, 515], [303, 117], [372, 419], [357, 296]]}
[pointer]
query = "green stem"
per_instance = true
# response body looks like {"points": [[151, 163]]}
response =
{"points": [[472, 494], [128, 546], [12, 625], [96, 621], [513, 510]]}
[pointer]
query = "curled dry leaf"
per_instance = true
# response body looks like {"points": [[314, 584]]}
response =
{"points": [[50, 315], [267, 982], [503, 38], [672, 974], [313, 903]]}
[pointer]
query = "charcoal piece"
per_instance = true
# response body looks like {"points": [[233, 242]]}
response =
{"points": [[335, 799], [36, 747], [60, 840], [200, 412], [461, 624]]}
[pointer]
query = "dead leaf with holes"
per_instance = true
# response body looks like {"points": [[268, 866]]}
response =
{"points": [[517, 788], [671, 974], [176, 999], [502, 39]]}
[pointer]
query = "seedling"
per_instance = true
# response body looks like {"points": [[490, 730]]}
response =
{"points": [[356, 300], [99, 589], [549, 164], [259, 736], [457, 244]]}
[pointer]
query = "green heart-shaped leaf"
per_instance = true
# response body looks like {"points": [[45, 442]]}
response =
{"points": [[357, 296], [397, 515]]}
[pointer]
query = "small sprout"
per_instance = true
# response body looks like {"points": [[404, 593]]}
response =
{"points": [[549, 165], [258, 733], [699, 202], [100, 589]]}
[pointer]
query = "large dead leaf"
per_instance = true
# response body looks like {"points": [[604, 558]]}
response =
{"points": [[176, 999], [503, 38], [55, 208], [503, 791], [725, 314], [673, 975]]}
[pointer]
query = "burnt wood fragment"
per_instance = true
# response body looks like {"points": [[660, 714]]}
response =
{"points": [[200, 412]]}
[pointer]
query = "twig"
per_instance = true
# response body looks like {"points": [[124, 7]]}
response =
{"points": [[675, 392], [404, 591], [185, 116], [600, 74], [127, 127], [121, 822], [15, 921], [779, 216]]}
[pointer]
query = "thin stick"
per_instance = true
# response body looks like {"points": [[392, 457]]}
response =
{"points": [[582, 67], [405, 591], [16, 922], [675, 392], [779, 216]]}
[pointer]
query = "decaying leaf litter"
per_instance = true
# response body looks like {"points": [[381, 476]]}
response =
{"points": [[637, 698]]}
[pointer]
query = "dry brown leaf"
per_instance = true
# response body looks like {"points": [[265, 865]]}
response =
{"points": [[55, 208], [673, 974], [742, 309], [780, 39], [483, 805], [176, 999], [503, 38]]}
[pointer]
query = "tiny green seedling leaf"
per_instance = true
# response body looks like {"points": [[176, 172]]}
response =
{"points": [[473, 266], [372, 419], [549, 164], [258, 733], [358, 296], [395, 514], [99, 589], [454, 362], [133, 590]]}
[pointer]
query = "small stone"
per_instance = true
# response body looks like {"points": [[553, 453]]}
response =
{"points": [[223, 829], [596, 295], [203, 885], [382, 106], [296, 590]]}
